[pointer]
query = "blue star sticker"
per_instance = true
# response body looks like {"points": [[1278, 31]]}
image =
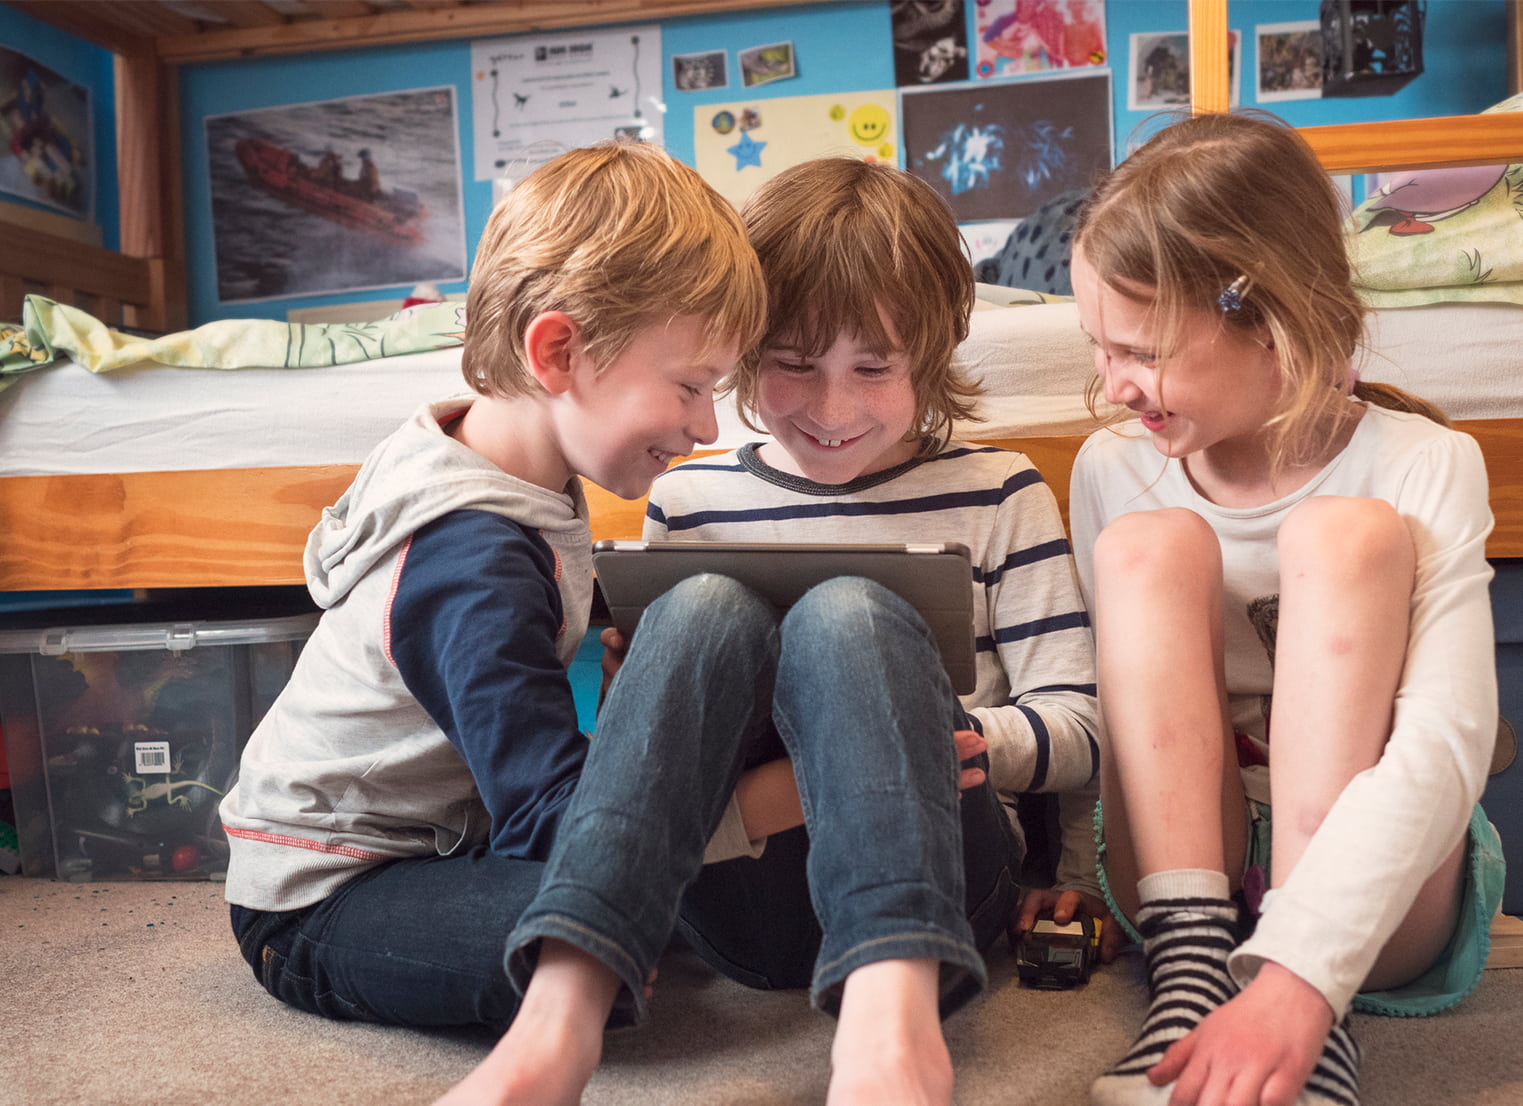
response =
{"points": [[747, 152]]}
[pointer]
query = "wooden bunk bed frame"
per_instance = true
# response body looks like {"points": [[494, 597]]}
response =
{"points": [[241, 527]]}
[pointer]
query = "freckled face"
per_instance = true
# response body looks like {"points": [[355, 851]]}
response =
{"points": [[1217, 389], [843, 414]]}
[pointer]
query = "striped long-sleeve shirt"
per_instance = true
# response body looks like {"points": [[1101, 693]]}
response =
{"points": [[1035, 697]]}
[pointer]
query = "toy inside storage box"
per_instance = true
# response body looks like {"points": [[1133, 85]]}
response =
{"points": [[123, 739]]}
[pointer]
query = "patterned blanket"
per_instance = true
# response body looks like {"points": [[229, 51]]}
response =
{"points": [[1430, 235], [52, 334]]}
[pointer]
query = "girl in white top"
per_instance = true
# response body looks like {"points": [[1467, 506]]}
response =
{"points": [[1289, 589]]}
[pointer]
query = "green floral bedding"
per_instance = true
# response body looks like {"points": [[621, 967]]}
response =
{"points": [[52, 333], [1442, 234]]}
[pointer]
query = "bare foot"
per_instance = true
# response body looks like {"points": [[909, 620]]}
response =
{"points": [[555, 1042], [888, 1048]]}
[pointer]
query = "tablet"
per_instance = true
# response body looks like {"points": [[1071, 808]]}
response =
{"points": [[936, 579]]}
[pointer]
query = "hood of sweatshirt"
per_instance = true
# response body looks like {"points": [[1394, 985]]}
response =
{"points": [[416, 475]]}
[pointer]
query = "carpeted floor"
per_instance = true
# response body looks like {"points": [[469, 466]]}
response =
{"points": [[119, 994]]}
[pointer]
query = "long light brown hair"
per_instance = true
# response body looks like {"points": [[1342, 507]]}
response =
{"points": [[1220, 197]]}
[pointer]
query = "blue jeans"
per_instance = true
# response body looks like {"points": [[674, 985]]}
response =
{"points": [[862, 706]]}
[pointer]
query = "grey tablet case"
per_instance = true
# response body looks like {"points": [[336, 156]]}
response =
{"points": [[936, 579]]}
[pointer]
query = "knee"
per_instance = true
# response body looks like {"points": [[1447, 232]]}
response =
{"points": [[1346, 538], [709, 600], [1147, 546], [845, 607]]}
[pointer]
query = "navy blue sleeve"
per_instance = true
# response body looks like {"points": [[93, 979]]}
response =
{"points": [[473, 628]]}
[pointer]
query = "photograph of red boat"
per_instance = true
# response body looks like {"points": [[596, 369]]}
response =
{"points": [[358, 204], [336, 195]]}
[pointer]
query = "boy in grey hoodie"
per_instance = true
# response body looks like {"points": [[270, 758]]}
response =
{"points": [[397, 805]]}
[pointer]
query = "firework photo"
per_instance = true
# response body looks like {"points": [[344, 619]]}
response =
{"points": [[1001, 149]]}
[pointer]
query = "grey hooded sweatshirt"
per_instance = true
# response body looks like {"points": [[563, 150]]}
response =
{"points": [[430, 711]]}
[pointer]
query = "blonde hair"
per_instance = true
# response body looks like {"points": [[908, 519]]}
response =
{"points": [[618, 236], [1220, 197], [841, 240]]}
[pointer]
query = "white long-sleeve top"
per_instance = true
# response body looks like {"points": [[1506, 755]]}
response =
{"points": [[1034, 699], [1395, 822]]}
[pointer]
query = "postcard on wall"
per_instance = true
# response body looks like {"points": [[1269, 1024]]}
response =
{"points": [[1033, 36], [46, 136], [737, 146], [696, 72], [336, 195], [1159, 70], [1290, 61], [764, 64], [534, 96], [1001, 149], [930, 41]]}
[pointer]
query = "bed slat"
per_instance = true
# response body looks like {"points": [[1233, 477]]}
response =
{"points": [[221, 528], [234, 527], [71, 272]]}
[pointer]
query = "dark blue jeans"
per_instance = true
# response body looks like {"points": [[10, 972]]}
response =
{"points": [[853, 681]]}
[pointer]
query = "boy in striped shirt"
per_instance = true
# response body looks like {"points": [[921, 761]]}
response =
{"points": [[869, 294]]}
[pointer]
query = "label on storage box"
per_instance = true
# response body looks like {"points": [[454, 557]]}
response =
{"points": [[151, 756]]}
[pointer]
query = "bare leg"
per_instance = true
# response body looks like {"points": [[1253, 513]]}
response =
{"points": [[1347, 573], [1171, 791], [1346, 576], [556, 1040], [1172, 794], [888, 1046]]}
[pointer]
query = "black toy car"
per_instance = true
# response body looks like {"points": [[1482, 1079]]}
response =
{"points": [[1053, 957]]}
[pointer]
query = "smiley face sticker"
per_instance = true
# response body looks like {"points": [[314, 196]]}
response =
{"points": [[869, 124]]}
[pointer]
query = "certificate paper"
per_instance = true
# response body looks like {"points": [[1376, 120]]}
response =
{"points": [[534, 96]]}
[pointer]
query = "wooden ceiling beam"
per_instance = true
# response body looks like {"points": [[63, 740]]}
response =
{"points": [[342, 9], [148, 17], [87, 21], [242, 14], [410, 25]]}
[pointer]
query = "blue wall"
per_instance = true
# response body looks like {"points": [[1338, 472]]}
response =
{"points": [[91, 67], [839, 47], [1464, 61]]}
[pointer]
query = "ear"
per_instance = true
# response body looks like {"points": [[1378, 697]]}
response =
{"points": [[550, 340]]}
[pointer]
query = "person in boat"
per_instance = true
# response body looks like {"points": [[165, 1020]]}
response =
{"points": [[367, 185], [330, 168]]}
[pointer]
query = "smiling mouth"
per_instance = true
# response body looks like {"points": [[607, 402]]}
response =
{"points": [[831, 443], [662, 457]]}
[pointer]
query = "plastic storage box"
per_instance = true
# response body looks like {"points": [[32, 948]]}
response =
{"points": [[122, 739]]}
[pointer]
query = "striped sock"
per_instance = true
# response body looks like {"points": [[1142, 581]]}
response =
{"points": [[1188, 927], [1335, 1079]]}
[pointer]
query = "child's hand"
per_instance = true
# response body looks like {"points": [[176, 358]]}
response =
{"points": [[1063, 905], [1259, 1047], [970, 743], [614, 648]]}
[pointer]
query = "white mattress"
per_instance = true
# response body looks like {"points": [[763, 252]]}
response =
{"points": [[1032, 360]]}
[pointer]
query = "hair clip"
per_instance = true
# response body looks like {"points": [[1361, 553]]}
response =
{"points": [[1231, 298]]}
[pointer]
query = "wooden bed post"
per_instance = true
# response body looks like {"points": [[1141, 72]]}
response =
{"points": [[149, 181], [1514, 47], [1210, 76]]}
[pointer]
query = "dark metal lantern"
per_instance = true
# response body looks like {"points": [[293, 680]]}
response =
{"points": [[1370, 47]]}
